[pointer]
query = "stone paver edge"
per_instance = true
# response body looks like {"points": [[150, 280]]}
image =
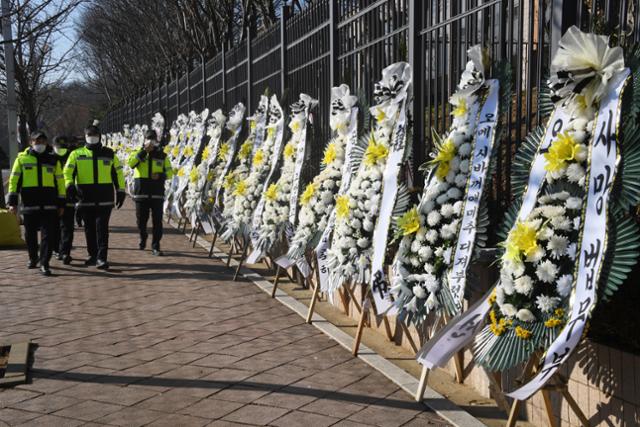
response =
{"points": [[432, 399]]}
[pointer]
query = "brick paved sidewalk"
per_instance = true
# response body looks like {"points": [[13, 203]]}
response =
{"points": [[173, 341]]}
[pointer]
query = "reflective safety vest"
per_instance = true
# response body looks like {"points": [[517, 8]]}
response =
{"points": [[62, 160], [37, 178], [145, 166], [95, 172]]}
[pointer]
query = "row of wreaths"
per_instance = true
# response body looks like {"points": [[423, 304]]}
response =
{"points": [[567, 242]]}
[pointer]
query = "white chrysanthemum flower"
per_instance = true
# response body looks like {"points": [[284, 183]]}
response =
{"points": [[525, 315], [572, 251], [506, 283], [431, 236], [425, 253], [457, 207], [547, 271], [535, 256], [429, 268], [557, 245], [564, 284], [582, 153], [575, 173], [433, 218], [432, 302], [546, 303], [464, 166], [574, 203], [523, 285], [464, 150], [508, 310], [419, 292], [446, 210], [454, 193], [432, 283]]}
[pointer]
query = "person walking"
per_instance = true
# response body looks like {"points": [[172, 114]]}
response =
{"points": [[151, 168], [93, 174], [64, 233], [36, 178]]}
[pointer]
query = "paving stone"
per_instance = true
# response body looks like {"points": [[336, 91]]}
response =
{"points": [[15, 416], [52, 421], [171, 401], [256, 414], [212, 408], [174, 420], [45, 404], [131, 417], [88, 410], [297, 418]]}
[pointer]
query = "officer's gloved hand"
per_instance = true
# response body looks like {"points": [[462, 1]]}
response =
{"points": [[120, 195], [72, 194]]}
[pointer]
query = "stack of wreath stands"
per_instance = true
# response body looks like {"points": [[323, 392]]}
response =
{"points": [[568, 242]]}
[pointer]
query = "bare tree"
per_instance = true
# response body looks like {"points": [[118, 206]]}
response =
{"points": [[38, 26]]}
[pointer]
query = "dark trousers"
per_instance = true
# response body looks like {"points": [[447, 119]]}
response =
{"points": [[64, 233], [96, 231], [46, 222], [142, 216]]}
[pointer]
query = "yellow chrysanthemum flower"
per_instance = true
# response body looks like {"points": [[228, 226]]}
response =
{"points": [[329, 154], [409, 223], [342, 206], [375, 152], [461, 109], [176, 151], [206, 153], [308, 193], [167, 150], [272, 192], [562, 150], [252, 124], [258, 158], [522, 333], [553, 322], [180, 172], [446, 152], [193, 175], [289, 150], [295, 126], [497, 327], [229, 181], [521, 239], [223, 151], [241, 188], [245, 150], [188, 151]]}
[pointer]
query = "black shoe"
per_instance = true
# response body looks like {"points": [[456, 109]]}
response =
{"points": [[142, 245], [90, 261], [157, 252], [56, 255], [102, 265], [32, 264], [44, 270], [66, 260]]}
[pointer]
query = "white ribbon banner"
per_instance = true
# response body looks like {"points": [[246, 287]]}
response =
{"points": [[379, 285], [593, 246], [461, 329], [484, 140], [325, 239]]}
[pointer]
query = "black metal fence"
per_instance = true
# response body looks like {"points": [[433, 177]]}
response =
{"points": [[350, 41]]}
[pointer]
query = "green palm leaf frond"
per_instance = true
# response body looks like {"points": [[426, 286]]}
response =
{"points": [[357, 152], [623, 252], [403, 201], [521, 166]]}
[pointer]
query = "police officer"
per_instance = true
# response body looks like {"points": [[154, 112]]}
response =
{"points": [[37, 178], [62, 148], [92, 174], [151, 168]]}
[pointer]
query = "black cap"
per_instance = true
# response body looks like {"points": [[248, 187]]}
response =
{"points": [[38, 135], [92, 130], [60, 140], [151, 134]]}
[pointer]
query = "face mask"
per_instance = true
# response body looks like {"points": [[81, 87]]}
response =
{"points": [[39, 148], [60, 151], [92, 139]]}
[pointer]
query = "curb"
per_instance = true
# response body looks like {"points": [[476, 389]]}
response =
{"points": [[432, 399]]}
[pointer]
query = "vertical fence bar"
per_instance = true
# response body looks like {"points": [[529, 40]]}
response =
{"points": [[416, 51], [223, 60], [283, 49], [249, 76], [333, 43], [204, 82]]}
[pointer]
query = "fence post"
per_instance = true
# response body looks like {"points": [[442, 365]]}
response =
{"points": [[333, 43], [223, 82], [564, 14], [416, 59], [166, 97], [177, 94], [204, 83], [283, 49], [249, 76], [189, 87]]}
